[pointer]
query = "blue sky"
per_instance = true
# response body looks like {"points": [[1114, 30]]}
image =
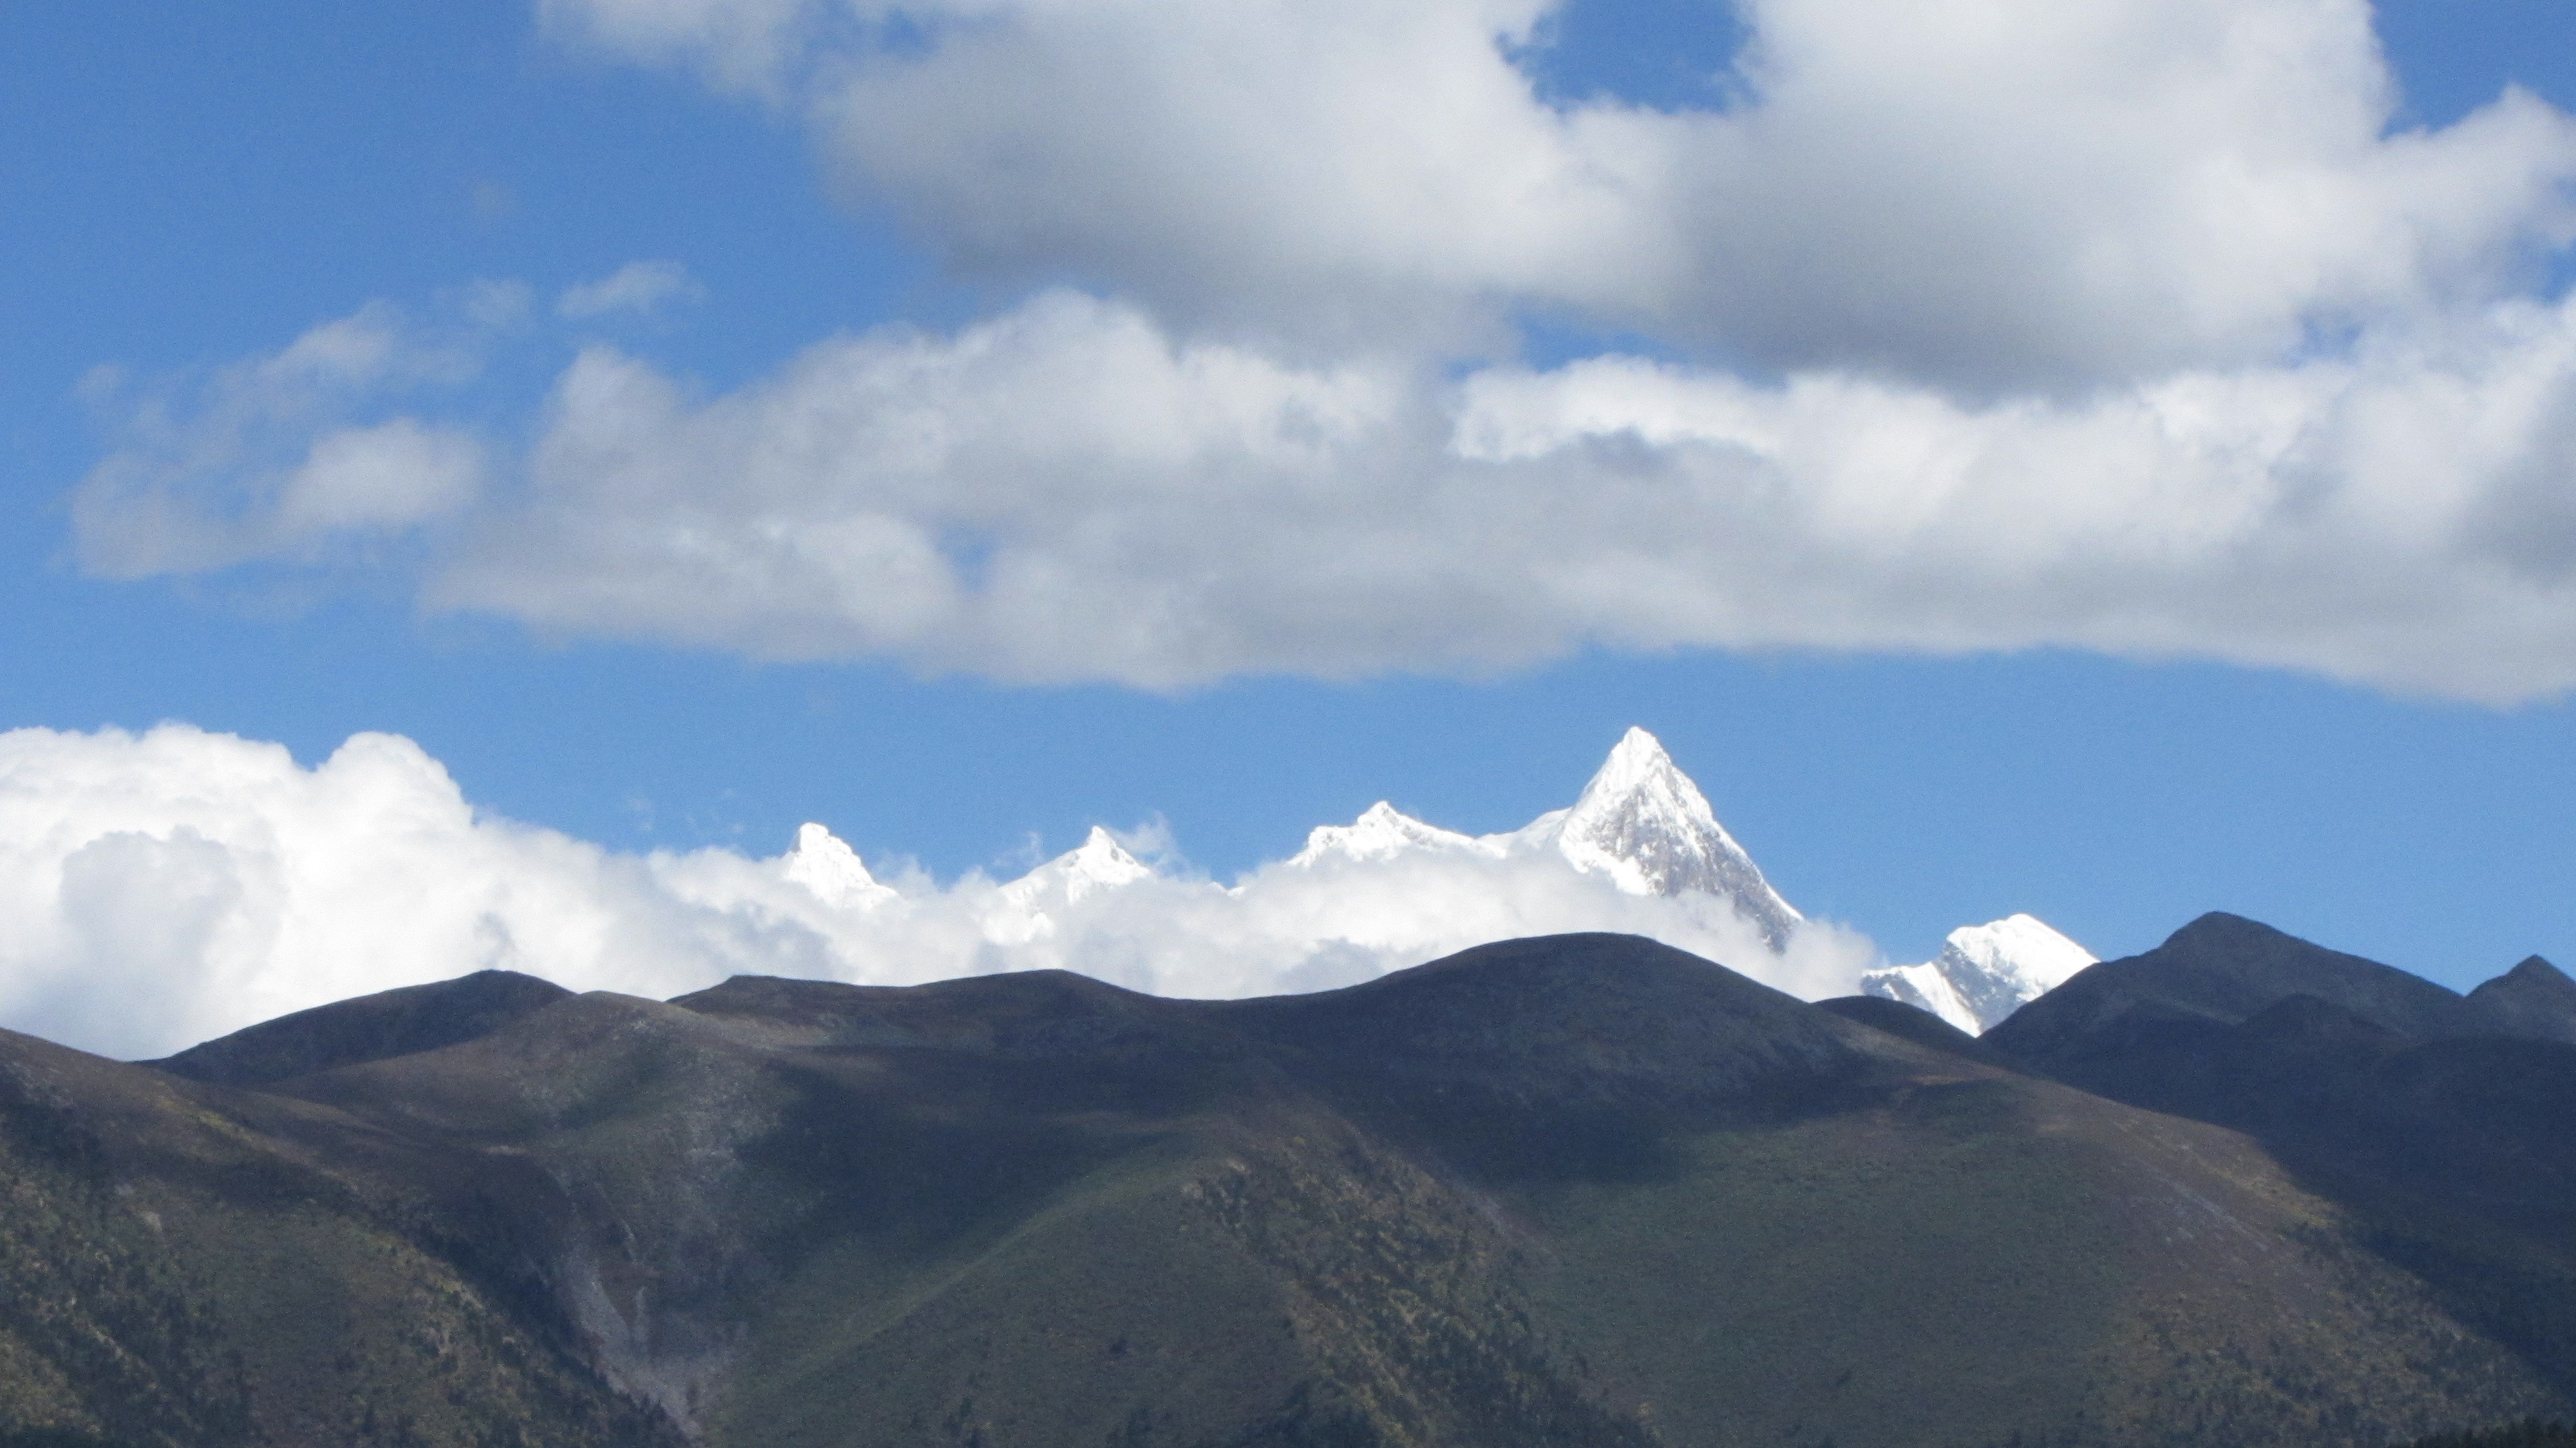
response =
{"points": [[190, 185]]}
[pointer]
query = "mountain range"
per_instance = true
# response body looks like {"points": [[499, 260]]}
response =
{"points": [[1577, 1190], [260, 888], [1640, 825]]}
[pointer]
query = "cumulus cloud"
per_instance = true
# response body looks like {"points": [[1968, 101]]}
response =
{"points": [[2120, 324], [2025, 192], [162, 888], [1068, 493]]}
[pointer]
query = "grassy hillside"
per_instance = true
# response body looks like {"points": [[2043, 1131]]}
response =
{"points": [[1585, 1191], [179, 1278]]}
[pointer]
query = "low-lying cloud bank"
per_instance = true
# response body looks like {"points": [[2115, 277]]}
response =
{"points": [[2130, 325], [163, 888]]}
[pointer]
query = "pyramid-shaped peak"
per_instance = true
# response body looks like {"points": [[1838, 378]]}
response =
{"points": [[1644, 824], [825, 865], [1101, 853], [1639, 762], [1637, 743], [2534, 968], [2534, 998], [1639, 783], [1098, 863], [1100, 860]]}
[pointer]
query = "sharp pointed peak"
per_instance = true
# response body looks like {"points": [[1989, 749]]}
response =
{"points": [[825, 864], [1638, 743], [1102, 856], [1099, 862], [1637, 753], [1639, 764]]}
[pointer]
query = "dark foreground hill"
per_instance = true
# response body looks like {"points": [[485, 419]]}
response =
{"points": [[1577, 1191]]}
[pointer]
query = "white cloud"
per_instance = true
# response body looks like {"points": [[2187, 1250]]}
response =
{"points": [[2019, 192], [2117, 324], [163, 888], [639, 286], [274, 456], [1066, 493], [388, 476]]}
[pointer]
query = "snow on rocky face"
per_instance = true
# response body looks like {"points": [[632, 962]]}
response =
{"points": [[1640, 822], [1098, 863], [832, 870], [1984, 973], [1639, 852], [1382, 833], [1644, 824]]}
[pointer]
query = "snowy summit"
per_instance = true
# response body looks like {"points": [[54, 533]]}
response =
{"points": [[1985, 972], [1641, 823], [824, 864]]}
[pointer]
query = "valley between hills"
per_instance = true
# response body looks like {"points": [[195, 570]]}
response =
{"points": [[1577, 1190]]}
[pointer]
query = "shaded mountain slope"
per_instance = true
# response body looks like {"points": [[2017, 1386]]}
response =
{"points": [[2446, 1141], [1577, 1191], [180, 1273], [2221, 969], [2534, 999], [2346, 1067], [370, 1028], [1911, 1023]]}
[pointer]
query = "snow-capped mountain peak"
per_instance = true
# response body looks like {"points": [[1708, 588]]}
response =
{"points": [[1382, 832], [1098, 863], [1984, 972], [825, 865], [1640, 827], [1643, 823]]}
